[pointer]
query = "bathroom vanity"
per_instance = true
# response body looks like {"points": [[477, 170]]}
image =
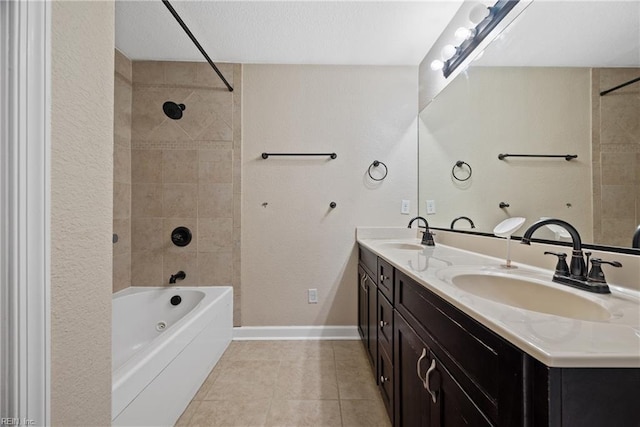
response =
{"points": [[443, 355]]}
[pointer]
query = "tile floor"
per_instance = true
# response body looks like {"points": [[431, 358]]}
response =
{"points": [[289, 383]]}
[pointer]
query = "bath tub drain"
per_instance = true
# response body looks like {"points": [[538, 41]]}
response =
{"points": [[161, 326]]}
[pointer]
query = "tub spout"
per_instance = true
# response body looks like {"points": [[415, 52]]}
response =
{"points": [[180, 275]]}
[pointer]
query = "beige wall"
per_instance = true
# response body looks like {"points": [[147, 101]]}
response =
{"points": [[295, 241], [82, 41], [186, 173], [490, 111], [122, 172], [616, 156]]}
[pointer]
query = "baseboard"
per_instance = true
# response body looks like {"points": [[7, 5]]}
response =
{"points": [[246, 333]]}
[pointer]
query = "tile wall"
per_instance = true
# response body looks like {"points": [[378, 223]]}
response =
{"points": [[186, 172], [616, 156], [122, 172]]}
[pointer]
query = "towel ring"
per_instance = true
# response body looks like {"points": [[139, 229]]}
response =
{"points": [[375, 164], [459, 164]]}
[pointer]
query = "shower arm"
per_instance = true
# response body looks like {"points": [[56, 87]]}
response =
{"points": [[195, 42]]}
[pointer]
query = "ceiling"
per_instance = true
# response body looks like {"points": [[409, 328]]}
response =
{"points": [[284, 32], [592, 33]]}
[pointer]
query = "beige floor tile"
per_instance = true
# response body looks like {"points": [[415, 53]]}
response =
{"points": [[240, 380], [344, 350], [300, 413], [206, 386], [186, 416], [306, 380], [357, 385], [303, 350], [260, 350], [366, 413], [245, 413]]}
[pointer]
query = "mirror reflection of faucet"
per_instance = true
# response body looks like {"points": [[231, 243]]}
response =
{"points": [[505, 229], [462, 217]]}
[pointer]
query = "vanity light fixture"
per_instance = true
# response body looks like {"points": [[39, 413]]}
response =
{"points": [[485, 20]]}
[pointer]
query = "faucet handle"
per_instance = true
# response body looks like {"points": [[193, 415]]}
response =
{"points": [[596, 274], [562, 269]]}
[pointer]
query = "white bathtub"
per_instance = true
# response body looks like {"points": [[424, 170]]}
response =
{"points": [[163, 353]]}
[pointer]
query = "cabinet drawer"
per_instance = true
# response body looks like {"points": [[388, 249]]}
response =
{"points": [[385, 382], [487, 367], [368, 260], [385, 324], [385, 278]]}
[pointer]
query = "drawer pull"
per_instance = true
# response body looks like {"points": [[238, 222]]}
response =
{"points": [[383, 379], [383, 324], [382, 278], [434, 394], [362, 282], [422, 356]]}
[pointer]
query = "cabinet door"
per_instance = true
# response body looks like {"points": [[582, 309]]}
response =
{"points": [[412, 406], [450, 405], [363, 306], [372, 327]]}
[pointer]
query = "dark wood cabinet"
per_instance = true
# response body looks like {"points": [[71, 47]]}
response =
{"points": [[436, 366]]}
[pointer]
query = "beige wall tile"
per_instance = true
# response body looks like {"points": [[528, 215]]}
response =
{"points": [[148, 72], [207, 108], [215, 201], [146, 235], [187, 262], [121, 201], [216, 166], [169, 130], [147, 113], [618, 168], [123, 65], [618, 201], [122, 108], [179, 166], [180, 200], [215, 234], [146, 269], [146, 200], [121, 164], [206, 76], [146, 166], [122, 227], [169, 224], [121, 271], [215, 268], [180, 73]]}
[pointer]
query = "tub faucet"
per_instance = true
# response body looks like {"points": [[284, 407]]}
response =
{"points": [[636, 239], [462, 217], [180, 275], [576, 274], [427, 237]]}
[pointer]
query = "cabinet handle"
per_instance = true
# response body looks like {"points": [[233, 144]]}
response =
{"points": [[362, 282], [383, 379], [383, 324], [382, 277], [422, 356], [433, 393]]}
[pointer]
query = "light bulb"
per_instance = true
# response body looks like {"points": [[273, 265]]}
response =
{"points": [[478, 13], [462, 34], [437, 65], [447, 52]]}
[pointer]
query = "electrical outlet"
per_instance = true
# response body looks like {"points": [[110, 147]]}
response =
{"points": [[431, 207], [405, 207], [313, 296]]}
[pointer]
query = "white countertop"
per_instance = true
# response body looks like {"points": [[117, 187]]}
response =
{"points": [[554, 340]]}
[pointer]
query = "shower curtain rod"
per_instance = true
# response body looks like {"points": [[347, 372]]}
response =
{"points": [[195, 41], [604, 92]]}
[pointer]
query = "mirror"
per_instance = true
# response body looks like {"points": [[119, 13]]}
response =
{"points": [[536, 91]]}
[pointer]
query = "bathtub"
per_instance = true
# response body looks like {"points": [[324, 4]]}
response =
{"points": [[161, 352]]}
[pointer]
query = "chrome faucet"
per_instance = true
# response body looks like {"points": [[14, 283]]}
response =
{"points": [[636, 239], [574, 274], [180, 275], [427, 237], [462, 217]]}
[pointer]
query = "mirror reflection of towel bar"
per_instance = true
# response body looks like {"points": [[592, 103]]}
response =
{"points": [[567, 157]]}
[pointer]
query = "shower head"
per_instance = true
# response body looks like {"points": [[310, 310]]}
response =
{"points": [[173, 110]]}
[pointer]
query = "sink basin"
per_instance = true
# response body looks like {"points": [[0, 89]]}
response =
{"points": [[531, 296], [403, 246]]}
